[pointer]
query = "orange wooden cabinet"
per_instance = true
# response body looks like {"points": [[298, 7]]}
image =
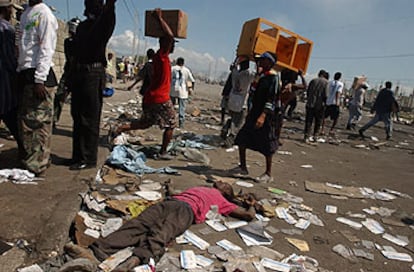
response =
{"points": [[259, 35]]}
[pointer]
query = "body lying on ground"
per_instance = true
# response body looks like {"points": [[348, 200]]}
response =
{"points": [[150, 232]]}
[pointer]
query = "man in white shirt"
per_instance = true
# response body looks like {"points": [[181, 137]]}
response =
{"points": [[333, 102], [38, 84], [180, 76], [237, 104]]}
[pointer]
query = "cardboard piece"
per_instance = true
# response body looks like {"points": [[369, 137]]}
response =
{"points": [[299, 244], [322, 188], [177, 20]]}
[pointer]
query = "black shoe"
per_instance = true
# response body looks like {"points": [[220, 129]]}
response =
{"points": [[361, 133], [81, 166], [348, 127], [388, 138]]}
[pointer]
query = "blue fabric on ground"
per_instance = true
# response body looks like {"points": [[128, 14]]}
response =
{"points": [[133, 161]]}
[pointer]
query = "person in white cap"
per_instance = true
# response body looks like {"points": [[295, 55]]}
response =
{"points": [[37, 82]]}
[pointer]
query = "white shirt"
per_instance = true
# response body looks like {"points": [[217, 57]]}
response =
{"points": [[241, 81], [37, 44], [335, 86], [180, 76]]}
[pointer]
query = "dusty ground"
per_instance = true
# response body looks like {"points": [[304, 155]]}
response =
{"points": [[41, 214]]}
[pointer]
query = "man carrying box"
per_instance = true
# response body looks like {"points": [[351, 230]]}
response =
{"points": [[157, 106]]}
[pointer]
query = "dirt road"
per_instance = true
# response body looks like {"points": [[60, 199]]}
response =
{"points": [[41, 214]]}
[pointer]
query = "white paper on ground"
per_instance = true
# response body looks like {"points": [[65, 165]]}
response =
{"points": [[404, 257], [331, 209], [394, 239], [235, 224], [262, 218], [111, 225], [114, 260], [149, 195], [275, 265], [350, 223], [195, 240], [250, 241], [373, 226], [227, 245], [32, 268], [336, 186], [143, 268], [180, 240], [188, 259], [217, 226], [302, 224], [283, 214], [203, 261], [306, 166], [90, 222], [93, 204], [369, 211], [244, 184], [92, 233]]}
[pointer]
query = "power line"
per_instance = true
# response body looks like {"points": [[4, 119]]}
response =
{"points": [[334, 28], [367, 57], [129, 11]]}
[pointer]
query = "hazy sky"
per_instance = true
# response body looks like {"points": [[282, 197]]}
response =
{"points": [[370, 37]]}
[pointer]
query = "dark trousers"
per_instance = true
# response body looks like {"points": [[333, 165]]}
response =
{"points": [[149, 233], [10, 119], [311, 115], [292, 106], [88, 84]]}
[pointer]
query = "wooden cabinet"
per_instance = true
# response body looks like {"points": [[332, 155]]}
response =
{"points": [[259, 35]]}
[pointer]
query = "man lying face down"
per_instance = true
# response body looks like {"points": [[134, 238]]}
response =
{"points": [[153, 229]]}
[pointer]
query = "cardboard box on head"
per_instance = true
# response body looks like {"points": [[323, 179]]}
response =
{"points": [[176, 19]]}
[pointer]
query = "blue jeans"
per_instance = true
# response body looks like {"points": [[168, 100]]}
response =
{"points": [[182, 103], [384, 117]]}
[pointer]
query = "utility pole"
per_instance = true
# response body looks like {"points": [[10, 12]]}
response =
{"points": [[134, 36]]}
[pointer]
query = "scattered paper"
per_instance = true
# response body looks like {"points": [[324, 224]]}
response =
{"points": [[299, 244], [227, 245], [282, 213], [306, 166], [149, 195], [349, 222], [363, 254], [275, 265], [203, 261], [404, 257], [373, 226], [114, 260], [331, 209], [344, 252], [111, 225], [92, 233], [195, 240], [217, 226], [281, 152], [235, 224], [188, 259], [32, 268], [394, 239], [244, 184], [302, 224]]}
